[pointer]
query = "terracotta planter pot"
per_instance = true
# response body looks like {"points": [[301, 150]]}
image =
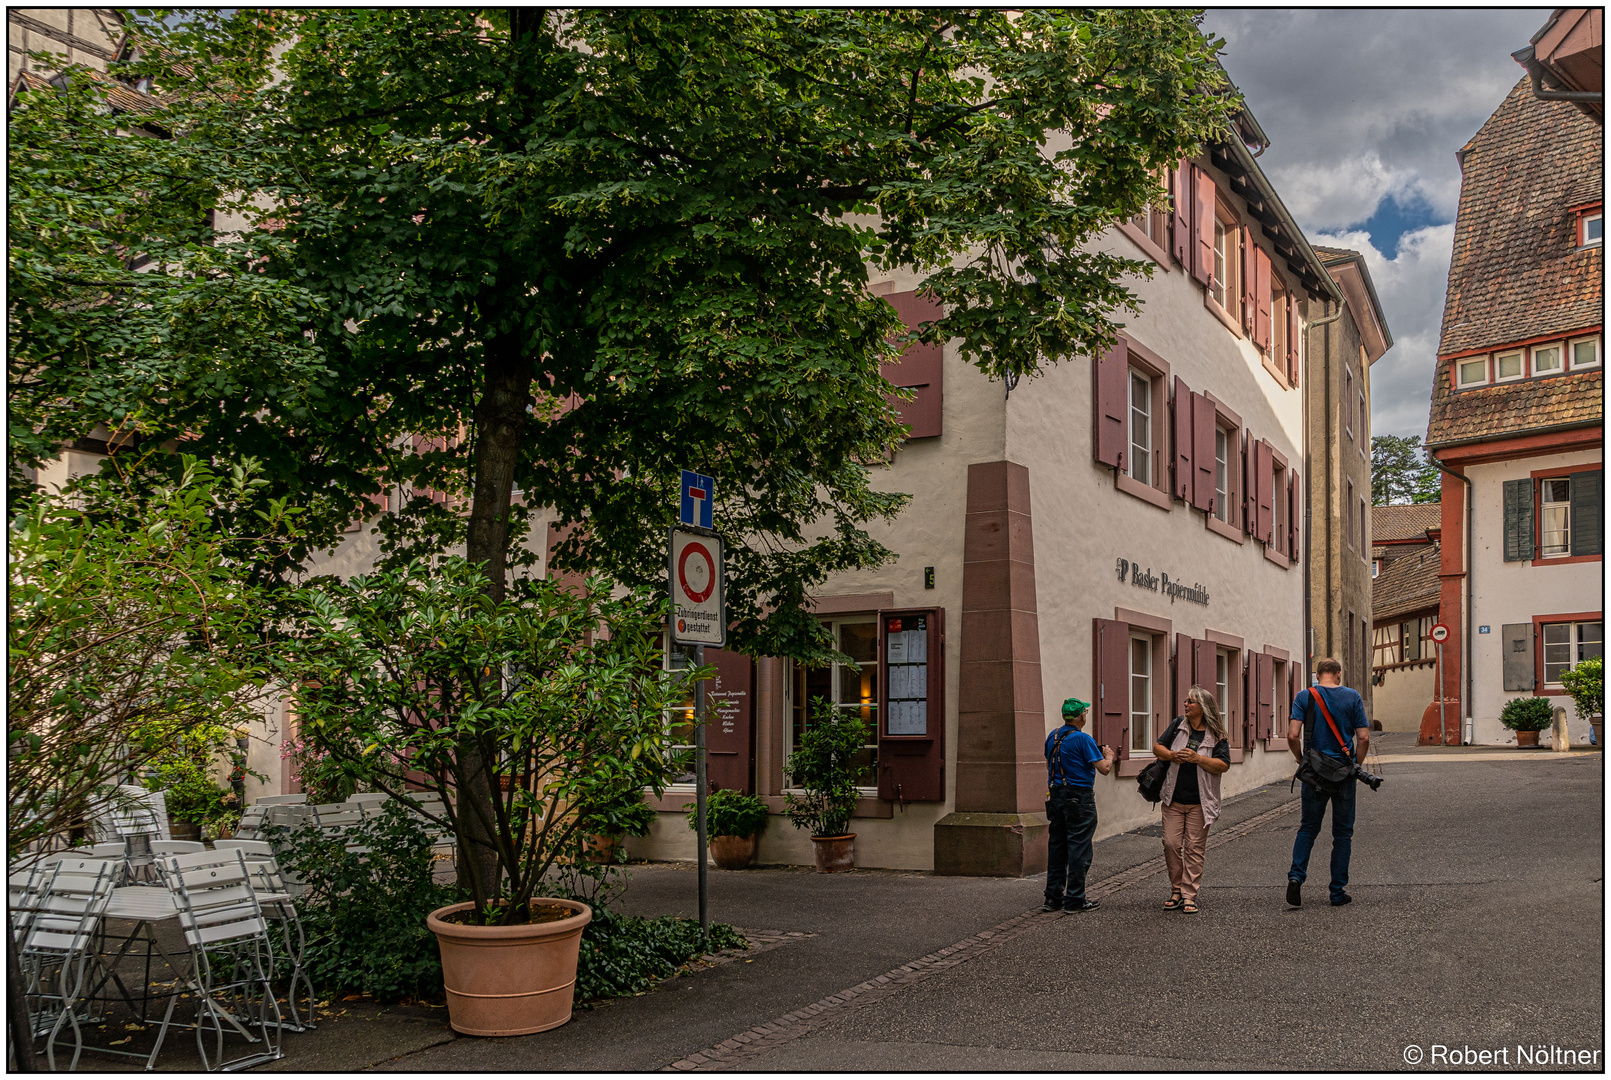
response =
{"points": [[733, 852], [509, 980], [601, 848], [835, 853], [1526, 738]]}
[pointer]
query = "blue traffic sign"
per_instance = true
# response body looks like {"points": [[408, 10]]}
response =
{"points": [[698, 493]]}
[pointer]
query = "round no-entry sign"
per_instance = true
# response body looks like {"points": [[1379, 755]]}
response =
{"points": [[1440, 633], [695, 572]]}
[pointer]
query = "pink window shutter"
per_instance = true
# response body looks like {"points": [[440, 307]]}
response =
{"points": [[1183, 440], [1294, 509], [1202, 267], [1265, 476], [1112, 647], [1185, 676], [919, 369], [1261, 298], [1202, 448], [1111, 374], [1250, 278], [1180, 216], [1294, 328]]}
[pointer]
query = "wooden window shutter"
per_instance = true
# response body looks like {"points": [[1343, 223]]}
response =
{"points": [[1202, 441], [1266, 681], [1183, 439], [1248, 718], [1202, 260], [1294, 509], [1516, 663], [911, 766], [1250, 279], [1204, 655], [1264, 475], [1261, 296], [1185, 676], [1294, 329], [1112, 428], [1518, 520], [920, 368], [1181, 216], [1112, 647], [730, 732], [1250, 494], [1587, 513]]}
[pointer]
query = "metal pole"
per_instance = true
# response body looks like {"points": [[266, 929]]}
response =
{"points": [[699, 797], [1443, 721]]}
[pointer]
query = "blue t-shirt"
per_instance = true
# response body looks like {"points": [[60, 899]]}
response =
{"points": [[1077, 755], [1347, 708]]}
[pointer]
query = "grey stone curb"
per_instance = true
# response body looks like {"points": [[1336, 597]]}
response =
{"points": [[735, 1052]]}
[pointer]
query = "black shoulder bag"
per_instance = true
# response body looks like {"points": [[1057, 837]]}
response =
{"points": [[1151, 781], [1322, 772]]}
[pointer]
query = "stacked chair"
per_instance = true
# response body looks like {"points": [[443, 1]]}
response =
{"points": [[56, 915], [277, 899]]}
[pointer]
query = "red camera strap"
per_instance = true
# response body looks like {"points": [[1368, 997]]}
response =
{"points": [[1320, 700]]}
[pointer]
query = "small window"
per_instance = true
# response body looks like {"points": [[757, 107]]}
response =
{"points": [[1364, 425], [1376, 568], [1222, 685], [1223, 243], [1474, 372], [1364, 545], [1508, 366], [1348, 402], [1140, 427], [1140, 693], [1222, 474], [1568, 644], [1348, 508], [1586, 353], [851, 690], [1590, 226], [1547, 359], [1556, 499]]}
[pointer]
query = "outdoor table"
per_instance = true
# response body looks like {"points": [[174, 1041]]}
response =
{"points": [[145, 906]]}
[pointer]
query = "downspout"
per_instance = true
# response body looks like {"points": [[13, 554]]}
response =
{"points": [[1308, 509], [1468, 562], [1529, 61]]}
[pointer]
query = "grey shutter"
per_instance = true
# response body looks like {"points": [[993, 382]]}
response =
{"points": [[1518, 520], [1518, 659], [1587, 515]]}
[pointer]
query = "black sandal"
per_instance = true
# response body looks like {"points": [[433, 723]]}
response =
{"points": [[1174, 903]]}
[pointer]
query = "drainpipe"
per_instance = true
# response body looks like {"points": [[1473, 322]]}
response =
{"points": [[1308, 510], [1465, 602], [1527, 60]]}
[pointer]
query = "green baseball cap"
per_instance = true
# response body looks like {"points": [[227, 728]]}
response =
{"points": [[1073, 708]]}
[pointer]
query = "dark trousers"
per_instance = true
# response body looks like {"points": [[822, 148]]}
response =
{"points": [[1342, 834], [1072, 812]]}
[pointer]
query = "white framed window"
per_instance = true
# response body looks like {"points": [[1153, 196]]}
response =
{"points": [[1508, 366], [1222, 685], [849, 689], [1140, 693], [1568, 644], [1376, 568], [1547, 359], [1473, 371], [1222, 474], [1222, 261], [1364, 424], [1348, 402], [1555, 498], [1585, 353], [1591, 228], [1348, 505], [1364, 539], [1140, 427]]}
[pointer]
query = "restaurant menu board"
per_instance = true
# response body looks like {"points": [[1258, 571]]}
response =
{"points": [[906, 661]]}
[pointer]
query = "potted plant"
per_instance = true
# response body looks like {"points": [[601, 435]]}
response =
{"points": [[631, 816], [1527, 716], [426, 680], [1586, 684], [824, 767], [733, 820]]}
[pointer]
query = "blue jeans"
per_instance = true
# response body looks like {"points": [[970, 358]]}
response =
{"points": [[1342, 834], [1072, 812]]}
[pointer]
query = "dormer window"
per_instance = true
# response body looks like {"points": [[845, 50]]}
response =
{"points": [[1590, 227], [1473, 372]]}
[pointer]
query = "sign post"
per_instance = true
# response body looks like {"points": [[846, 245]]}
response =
{"points": [[694, 568], [1439, 635]]}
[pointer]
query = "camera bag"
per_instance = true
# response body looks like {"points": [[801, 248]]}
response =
{"points": [[1323, 772]]}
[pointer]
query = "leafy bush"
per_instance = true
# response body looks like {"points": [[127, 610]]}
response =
{"points": [[624, 954], [1527, 714], [364, 914], [1586, 684], [825, 766], [629, 816], [729, 813]]}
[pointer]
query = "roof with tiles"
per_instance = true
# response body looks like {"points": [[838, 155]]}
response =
{"points": [[1517, 273], [1407, 522], [1406, 585]]}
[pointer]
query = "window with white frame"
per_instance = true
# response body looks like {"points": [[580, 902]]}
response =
{"points": [[1140, 693], [1364, 423], [1585, 353], [1222, 685], [1567, 645], [1140, 427], [1473, 371], [1547, 359], [1348, 402], [1376, 568], [1591, 227], [1222, 474], [1223, 242], [1348, 507], [850, 690], [1555, 498], [1508, 366]]}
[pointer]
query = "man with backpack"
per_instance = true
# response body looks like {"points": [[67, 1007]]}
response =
{"points": [[1328, 718], [1072, 761]]}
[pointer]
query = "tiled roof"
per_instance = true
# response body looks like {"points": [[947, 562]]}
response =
{"points": [[1516, 272], [120, 96], [1406, 585], [1408, 522]]}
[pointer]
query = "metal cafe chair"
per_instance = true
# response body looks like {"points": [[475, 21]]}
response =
{"points": [[282, 800], [57, 949], [276, 897], [177, 847], [232, 956]]}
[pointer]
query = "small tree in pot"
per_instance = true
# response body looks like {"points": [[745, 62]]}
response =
{"points": [[824, 767], [1527, 716], [532, 716], [733, 820], [1586, 684]]}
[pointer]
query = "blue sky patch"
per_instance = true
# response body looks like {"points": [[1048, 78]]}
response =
{"points": [[1393, 219]]}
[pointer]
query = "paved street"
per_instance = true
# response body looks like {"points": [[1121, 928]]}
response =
{"points": [[1477, 921]]}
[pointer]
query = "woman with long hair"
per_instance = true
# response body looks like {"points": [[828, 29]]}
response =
{"points": [[1190, 793]]}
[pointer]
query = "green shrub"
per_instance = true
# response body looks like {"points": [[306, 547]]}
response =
{"points": [[1586, 684], [729, 813], [1527, 714], [623, 955], [825, 767], [630, 816]]}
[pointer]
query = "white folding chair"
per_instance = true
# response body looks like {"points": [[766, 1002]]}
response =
{"points": [[112, 849], [277, 897], [177, 847], [58, 947], [369, 798], [232, 956], [282, 800]]}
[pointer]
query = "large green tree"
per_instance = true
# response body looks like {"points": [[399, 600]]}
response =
{"points": [[1400, 472]]}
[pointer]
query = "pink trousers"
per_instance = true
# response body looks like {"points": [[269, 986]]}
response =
{"points": [[1185, 838]]}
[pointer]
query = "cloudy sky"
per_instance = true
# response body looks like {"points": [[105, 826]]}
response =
{"points": [[1365, 109]]}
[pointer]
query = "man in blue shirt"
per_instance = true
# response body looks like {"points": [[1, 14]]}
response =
{"points": [[1348, 710], [1072, 762]]}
